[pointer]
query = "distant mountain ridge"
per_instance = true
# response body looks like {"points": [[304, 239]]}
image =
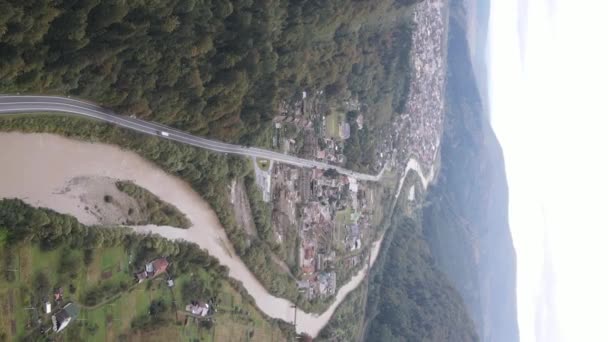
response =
{"points": [[466, 219], [473, 16], [410, 298]]}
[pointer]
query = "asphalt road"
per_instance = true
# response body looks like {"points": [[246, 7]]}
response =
{"points": [[30, 104]]}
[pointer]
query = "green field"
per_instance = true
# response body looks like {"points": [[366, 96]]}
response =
{"points": [[114, 317], [236, 321], [31, 263], [332, 124], [343, 218], [111, 319]]}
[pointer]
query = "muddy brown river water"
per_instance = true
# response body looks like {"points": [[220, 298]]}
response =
{"points": [[37, 167]]}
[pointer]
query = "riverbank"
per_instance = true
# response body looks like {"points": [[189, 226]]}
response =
{"points": [[36, 166]]}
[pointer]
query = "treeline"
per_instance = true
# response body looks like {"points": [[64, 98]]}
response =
{"points": [[360, 148], [409, 298], [208, 173], [212, 67], [259, 254], [261, 211], [346, 322], [151, 208], [23, 224], [23, 227], [20, 223]]}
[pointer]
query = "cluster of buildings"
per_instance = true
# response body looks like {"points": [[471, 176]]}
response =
{"points": [[329, 213], [333, 151], [61, 318], [298, 121], [417, 131], [296, 126], [423, 117], [300, 128], [321, 285], [196, 308]]}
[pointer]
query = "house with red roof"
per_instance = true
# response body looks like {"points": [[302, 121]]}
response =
{"points": [[152, 269]]}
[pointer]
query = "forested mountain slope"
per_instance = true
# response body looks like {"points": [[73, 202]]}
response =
{"points": [[466, 220], [410, 299], [212, 67]]}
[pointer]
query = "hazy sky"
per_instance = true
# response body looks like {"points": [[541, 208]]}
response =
{"points": [[548, 94]]}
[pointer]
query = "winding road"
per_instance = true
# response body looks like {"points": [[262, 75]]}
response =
{"points": [[31, 104]]}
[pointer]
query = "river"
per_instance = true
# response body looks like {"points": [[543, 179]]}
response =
{"points": [[37, 167]]}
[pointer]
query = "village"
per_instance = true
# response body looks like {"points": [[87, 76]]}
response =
{"points": [[64, 311], [330, 213], [327, 211], [418, 130], [231, 277]]}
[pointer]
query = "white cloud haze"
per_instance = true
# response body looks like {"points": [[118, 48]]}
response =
{"points": [[548, 101]]}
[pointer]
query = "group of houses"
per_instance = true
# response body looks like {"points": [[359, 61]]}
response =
{"points": [[68, 313], [62, 317]]}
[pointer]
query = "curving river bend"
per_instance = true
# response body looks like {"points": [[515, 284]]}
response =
{"points": [[35, 167]]}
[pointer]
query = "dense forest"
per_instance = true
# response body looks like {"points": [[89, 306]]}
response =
{"points": [[217, 68], [466, 221], [409, 298]]}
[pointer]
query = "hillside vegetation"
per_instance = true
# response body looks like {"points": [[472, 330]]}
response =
{"points": [[212, 67], [409, 298], [152, 209], [466, 221], [216, 68], [209, 174], [43, 251]]}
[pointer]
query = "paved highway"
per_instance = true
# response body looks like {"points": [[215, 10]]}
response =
{"points": [[29, 104]]}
